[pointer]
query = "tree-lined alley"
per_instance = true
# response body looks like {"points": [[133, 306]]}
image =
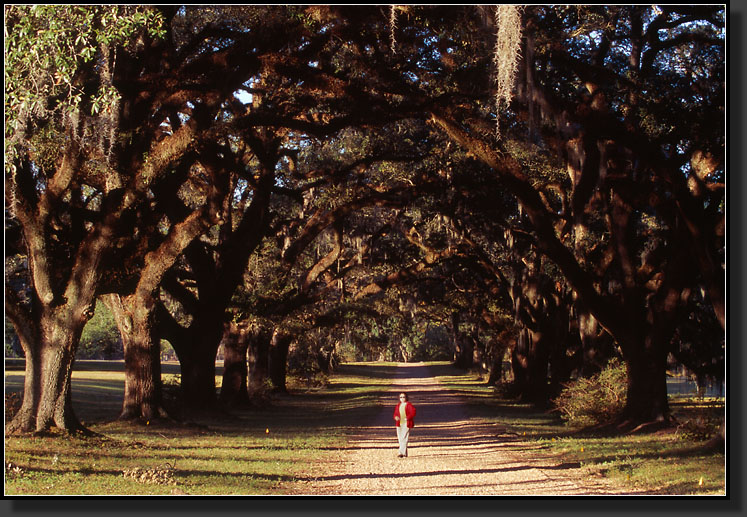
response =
{"points": [[307, 183]]}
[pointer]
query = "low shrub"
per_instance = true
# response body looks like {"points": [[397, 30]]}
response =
{"points": [[594, 400], [171, 393], [698, 429], [12, 405], [310, 380]]}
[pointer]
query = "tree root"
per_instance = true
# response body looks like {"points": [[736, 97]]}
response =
{"points": [[628, 426], [651, 427]]}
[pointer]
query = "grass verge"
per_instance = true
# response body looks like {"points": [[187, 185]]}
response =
{"points": [[256, 451], [674, 461], [268, 449]]}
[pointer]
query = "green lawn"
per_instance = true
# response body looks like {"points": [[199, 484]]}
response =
{"points": [[261, 450], [252, 452], [673, 461]]}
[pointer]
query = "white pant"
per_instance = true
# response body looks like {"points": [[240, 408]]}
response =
{"points": [[403, 436]]}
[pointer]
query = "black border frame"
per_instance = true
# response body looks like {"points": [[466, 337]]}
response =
{"points": [[731, 504]]}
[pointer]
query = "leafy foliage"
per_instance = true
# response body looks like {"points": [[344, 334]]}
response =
{"points": [[377, 220], [46, 46], [594, 400], [100, 338]]}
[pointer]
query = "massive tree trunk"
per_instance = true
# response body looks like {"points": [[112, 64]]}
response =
{"points": [[234, 389], [197, 359], [597, 346], [613, 313], [218, 272], [47, 400], [461, 344], [519, 364], [542, 342], [278, 364], [136, 313], [198, 382], [143, 390], [530, 361], [196, 347], [28, 335], [50, 327], [646, 362], [561, 351], [497, 351], [258, 355]]}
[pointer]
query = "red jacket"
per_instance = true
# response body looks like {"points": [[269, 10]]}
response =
{"points": [[409, 412]]}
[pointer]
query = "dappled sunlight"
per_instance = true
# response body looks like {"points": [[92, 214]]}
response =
{"points": [[460, 445], [449, 453]]}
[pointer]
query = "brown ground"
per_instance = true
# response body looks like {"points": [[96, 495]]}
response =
{"points": [[449, 454]]}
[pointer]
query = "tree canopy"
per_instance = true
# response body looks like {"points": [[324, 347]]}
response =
{"points": [[540, 183]]}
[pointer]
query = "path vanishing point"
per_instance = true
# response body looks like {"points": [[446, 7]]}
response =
{"points": [[449, 454]]}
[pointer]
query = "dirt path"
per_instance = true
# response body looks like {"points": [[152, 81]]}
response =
{"points": [[449, 454]]}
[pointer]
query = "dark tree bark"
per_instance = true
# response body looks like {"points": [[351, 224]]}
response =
{"points": [[647, 399], [461, 344], [278, 360], [143, 388], [597, 346], [55, 403], [25, 419], [136, 313], [259, 360], [234, 389], [560, 362], [62, 300], [217, 278], [530, 363], [142, 394], [616, 315], [326, 360], [504, 341], [539, 357], [197, 352]]}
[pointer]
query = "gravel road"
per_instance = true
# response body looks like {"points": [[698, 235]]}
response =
{"points": [[449, 454]]}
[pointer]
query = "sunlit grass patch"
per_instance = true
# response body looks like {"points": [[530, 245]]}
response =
{"points": [[661, 464], [669, 462], [265, 450], [135, 460], [258, 451]]}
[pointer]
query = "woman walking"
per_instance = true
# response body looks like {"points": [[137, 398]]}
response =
{"points": [[404, 419]]}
